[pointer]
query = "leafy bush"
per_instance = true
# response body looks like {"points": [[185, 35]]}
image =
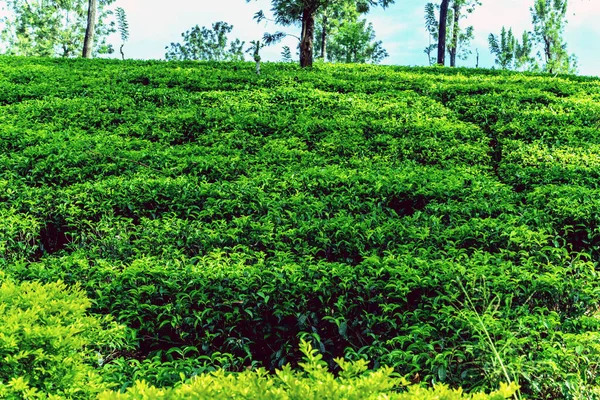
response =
{"points": [[314, 381], [223, 215], [48, 344]]}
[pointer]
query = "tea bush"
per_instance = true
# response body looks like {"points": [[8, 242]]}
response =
{"points": [[48, 343], [431, 220], [313, 382]]}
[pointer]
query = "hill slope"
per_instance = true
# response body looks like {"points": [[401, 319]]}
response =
{"points": [[381, 212]]}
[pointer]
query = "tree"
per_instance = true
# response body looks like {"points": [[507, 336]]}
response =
{"points": [[286, 54], [523, 52], [509, 52], [55, 27], [460, 38], [503, 49], [355, 43], [255, 48], [441, 55], [88, 41], [303, 13], [205, 44], [123, 29], [549, 20], [449, 26], [328, 22], [352, 40], [431, 24]]}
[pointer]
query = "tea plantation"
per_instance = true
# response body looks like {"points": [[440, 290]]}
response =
{"points": [[193, 230]]}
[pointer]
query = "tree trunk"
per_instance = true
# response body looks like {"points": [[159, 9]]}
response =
{"points": [[324, 38], [88, 42], [455, 32], [441, 58], [306, 40], [548, 53]]}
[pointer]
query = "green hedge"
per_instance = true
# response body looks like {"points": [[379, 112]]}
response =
{"points": [[49, 344], [223, 216], [313, 382]]}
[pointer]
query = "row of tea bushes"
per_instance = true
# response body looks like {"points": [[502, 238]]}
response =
{"points": [[48, 344], [314, 381], [395, 214]]}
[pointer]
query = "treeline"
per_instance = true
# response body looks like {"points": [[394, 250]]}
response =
{"points": [[331, 30]]}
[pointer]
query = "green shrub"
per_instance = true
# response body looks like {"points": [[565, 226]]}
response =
{"points": [[48, 344], [223, 215], [314, 381]]}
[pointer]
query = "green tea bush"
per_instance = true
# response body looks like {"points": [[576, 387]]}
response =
{"points": [[222, 216], [49, 344], [314, 381], [18, 234]]}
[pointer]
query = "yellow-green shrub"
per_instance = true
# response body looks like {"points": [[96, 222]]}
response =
{"points": [[48, 342], [314, 381]]}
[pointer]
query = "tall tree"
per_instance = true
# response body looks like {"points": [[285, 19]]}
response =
{"points": [[549, 21], [88, 41], [441, 29], [206, 44], [509, 52], [344, 37], [304, 12], [329, 20], [123, 29], [460, 37], [431, 24], [354, 42], [441, 55], [503, 47], [523, 52], [54, 27]]}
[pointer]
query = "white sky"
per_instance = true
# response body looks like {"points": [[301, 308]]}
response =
{"points": [[154, 24]]}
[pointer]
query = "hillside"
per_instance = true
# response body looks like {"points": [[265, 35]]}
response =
{"points": [[435, 221]]}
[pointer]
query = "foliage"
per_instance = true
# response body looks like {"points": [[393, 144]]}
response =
{"points": [[341, 36], [53, 28], [549, 20], [205, 44], [286, 54], [314, 381], [304, 12], [431, 24], [509, 52], [47, 342], [123, 27], [122, 24], [354, 42], [255, 50], [222, 216], [459, 38]]}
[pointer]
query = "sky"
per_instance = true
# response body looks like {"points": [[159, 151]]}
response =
{"points": [[154, 24]]}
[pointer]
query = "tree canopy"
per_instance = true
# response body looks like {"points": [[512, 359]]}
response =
{"points": [[549, 21], [53, 27], [509, 52], [355, 43], [341, 36], [207, 44], [304, 12], [459, 37]]}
